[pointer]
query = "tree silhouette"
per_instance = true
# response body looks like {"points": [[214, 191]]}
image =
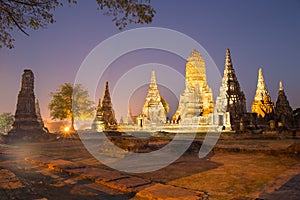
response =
{"points": [[35, 14]]}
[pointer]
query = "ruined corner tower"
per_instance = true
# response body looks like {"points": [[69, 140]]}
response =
{"points": [[26, 119], [283, 110], [231, 98]]}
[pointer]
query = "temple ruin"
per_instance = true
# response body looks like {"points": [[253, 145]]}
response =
{"points": [[196, 101], [262, 104], [105, 115], [154, 111], [26, 119], [283, 110]]}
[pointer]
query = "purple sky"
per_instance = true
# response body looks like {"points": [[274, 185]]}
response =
{"points": [[259, 34]]}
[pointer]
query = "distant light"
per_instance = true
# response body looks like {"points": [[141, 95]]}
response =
{"points": [[67, 129]]}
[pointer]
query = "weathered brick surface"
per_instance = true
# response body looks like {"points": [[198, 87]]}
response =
{"points": [[63, 164], [40, 160], [97, 174], [129, 184], [167, 192], [8, 180], [56, 164], [145, 188]]}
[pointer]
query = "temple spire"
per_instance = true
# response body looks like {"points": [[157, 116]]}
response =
{"points": [[261, 90], [231, 98], [153, 92], [105, 116], [228, 62], [153, 110], [262, 103], [281, 86], [283, 110], [106, 92], [107, 108], [153, 85], [98, 109], [153, 78]]}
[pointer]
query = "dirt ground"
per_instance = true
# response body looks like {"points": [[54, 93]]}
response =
{"points": [[240, 175], [20, 179], [223, 175]]}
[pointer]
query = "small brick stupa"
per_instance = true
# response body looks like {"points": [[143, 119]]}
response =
{"points": [[26, 122], [105, 116], [262, 104], [153, 110], [283, 110]]}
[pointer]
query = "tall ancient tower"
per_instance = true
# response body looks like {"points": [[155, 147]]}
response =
{"points": [[105, 116], [25, 116], [235, 98], [283, 110], [197, 99], [153, 109], [262, 104], [231, 98]]}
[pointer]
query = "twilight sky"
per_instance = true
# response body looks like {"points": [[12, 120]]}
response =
{"points": [[259, 34]]}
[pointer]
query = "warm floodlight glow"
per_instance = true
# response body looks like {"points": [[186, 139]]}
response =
{"points": [[67, 129]]}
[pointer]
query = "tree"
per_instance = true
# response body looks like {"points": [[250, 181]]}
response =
{"points": [[35, 14], [6, 122], [70, 102]]}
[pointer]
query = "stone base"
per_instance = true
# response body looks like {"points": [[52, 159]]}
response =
{"points": [[29, 136]]}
